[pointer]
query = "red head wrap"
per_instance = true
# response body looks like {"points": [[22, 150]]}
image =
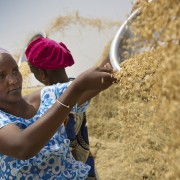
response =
{"points": [[47, 54]]}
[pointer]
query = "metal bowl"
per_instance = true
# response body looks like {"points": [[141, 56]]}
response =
{"points": [[119, 41], [22, 56]]}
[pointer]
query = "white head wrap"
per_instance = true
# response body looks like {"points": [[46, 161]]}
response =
{"points": [[2, 50]]}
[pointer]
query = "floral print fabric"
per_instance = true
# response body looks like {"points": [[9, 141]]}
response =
{"points": [[55, 160]]}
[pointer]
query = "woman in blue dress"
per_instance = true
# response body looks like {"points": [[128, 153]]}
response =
{"points": [[33, 143]]}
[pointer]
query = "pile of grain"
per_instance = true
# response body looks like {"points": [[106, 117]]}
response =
{"points": [[142, 112]]}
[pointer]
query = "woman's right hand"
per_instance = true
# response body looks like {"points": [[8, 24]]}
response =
{"points": [[98, 78]]}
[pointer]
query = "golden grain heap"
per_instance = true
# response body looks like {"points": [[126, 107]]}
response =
{"points": [[142, 111]]}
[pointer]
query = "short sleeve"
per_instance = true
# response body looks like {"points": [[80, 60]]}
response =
{"points": [[4, 120], [60, 88]]}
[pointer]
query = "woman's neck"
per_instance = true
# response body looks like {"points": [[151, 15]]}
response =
{"points": [[20, 109], [57, 76]]}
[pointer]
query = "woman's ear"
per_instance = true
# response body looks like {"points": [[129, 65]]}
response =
{"points": [[40, 74], [42, 77]]}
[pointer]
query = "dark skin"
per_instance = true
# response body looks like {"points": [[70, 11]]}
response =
{"points": [[13, 92], [49, 77], [27, 143]]}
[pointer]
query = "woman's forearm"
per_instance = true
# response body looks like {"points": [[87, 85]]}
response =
{"points": [[39, 133]]}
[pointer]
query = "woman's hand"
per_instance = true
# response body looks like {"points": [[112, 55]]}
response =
{"points": [[98, 78]]}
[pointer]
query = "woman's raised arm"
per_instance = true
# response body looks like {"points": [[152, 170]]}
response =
{"points": [[24, 144]]}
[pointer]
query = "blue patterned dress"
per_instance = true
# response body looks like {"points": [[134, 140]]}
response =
{"points": [[55, 160]]}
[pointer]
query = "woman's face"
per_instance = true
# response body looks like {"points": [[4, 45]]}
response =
{"points": [[10, 79]]}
